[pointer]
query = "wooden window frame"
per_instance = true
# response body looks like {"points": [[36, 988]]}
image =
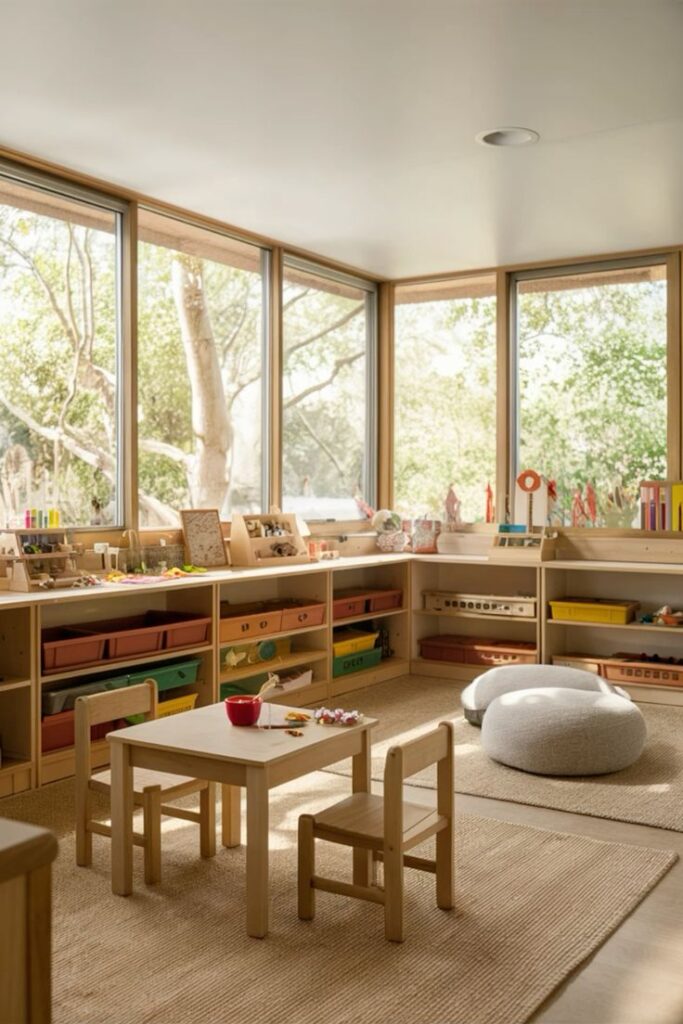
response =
{"points": [[506, 277], [29, 168]]}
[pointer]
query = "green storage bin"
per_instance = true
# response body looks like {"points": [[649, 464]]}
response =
{"points": [[251, 685], [169, 675], [54, 701], [356, 662]]}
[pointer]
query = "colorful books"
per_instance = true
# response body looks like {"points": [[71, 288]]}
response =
{"points": [[661, 505]]}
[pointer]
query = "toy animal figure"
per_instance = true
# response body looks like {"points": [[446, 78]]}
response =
{"points": [[452, 505], [591, 504], [363, 506], [490, 513], [579, 512]]}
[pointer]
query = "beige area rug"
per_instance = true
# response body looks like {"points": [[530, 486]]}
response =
{"points": [[531, 906], [650, 792]]}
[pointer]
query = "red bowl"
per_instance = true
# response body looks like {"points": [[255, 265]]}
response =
{"points": [[243, 709]]}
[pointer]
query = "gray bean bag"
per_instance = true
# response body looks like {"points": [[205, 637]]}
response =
{"points": [[559, 731], [478, 695]]}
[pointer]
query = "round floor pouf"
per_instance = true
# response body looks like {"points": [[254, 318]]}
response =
{"points": [[558, 731], [476, 697]]}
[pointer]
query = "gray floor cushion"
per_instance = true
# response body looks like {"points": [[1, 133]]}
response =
{"points": [[478, 695], [559, 731]]}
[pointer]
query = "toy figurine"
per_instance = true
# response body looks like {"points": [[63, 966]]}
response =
{"points": [[490, 511], [452, 505], [591, 504], [579, 512]]}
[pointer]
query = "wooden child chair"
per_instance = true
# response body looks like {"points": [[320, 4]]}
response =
{"points": [[387, 827], [150, 787]]}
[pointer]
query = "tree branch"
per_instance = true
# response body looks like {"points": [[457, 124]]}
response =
{"points": [[97, 458], [319, 441], [338, 366], [328, 330], [169, 451], [45, 285], [294, 299]]}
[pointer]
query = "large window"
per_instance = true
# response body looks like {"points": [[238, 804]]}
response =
{"points": [[445, 396], [328, 393], [59, 338], [591, 409], [201, 330]]}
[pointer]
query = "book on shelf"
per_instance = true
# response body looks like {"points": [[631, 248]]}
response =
{"points": [[661, 505]]}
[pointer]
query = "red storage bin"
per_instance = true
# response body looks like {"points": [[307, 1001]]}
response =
{"points": [[348, 603], [384, 600], [184, 629], [139, 634], [57, 731], [68, 648], [467, 650], [444, 648]]}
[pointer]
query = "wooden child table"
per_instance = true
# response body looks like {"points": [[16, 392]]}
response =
{"points": [[203, 744]]}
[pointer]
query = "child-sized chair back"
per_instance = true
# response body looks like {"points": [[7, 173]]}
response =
{"points": [[435, 747], [108, 707]]}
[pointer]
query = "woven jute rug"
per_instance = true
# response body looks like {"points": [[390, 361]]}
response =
{"points": [[531, 906], [650, 792]]}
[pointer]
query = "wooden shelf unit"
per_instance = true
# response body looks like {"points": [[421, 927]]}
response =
{"points": [[476, 576], [651, 584], [23, 615]]}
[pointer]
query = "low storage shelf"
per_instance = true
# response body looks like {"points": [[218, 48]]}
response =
{"points": [[641, 656], [470, 615], [406, 604]]}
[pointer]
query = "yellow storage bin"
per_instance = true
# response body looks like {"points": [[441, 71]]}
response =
{"points": [[351, 641], [594, 609], [176, 705]]}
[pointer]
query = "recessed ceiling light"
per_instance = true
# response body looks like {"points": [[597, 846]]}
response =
{"points": [[508, 137]]}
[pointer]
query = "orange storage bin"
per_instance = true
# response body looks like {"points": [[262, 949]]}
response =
{"points": [[243, 621], [646, 673], [184, 630], [301, 615], [467, 650]]}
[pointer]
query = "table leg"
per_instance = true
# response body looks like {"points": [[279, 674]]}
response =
{"points": [[121, 820], [257, 853], [231, 822], [361, 776]]}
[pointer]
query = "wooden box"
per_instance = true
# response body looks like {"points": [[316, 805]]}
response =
{"points": [[271, 539]]}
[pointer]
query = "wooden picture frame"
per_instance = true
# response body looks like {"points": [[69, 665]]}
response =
{"points": [[204, 543]]}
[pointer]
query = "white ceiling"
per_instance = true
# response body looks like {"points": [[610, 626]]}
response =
{"points": [[347, 126]]}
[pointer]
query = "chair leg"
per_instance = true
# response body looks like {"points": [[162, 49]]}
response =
{"points": [[306, 868], [151, 811], [393, 895], [207, 822], [445, 896], [83, 836]]}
